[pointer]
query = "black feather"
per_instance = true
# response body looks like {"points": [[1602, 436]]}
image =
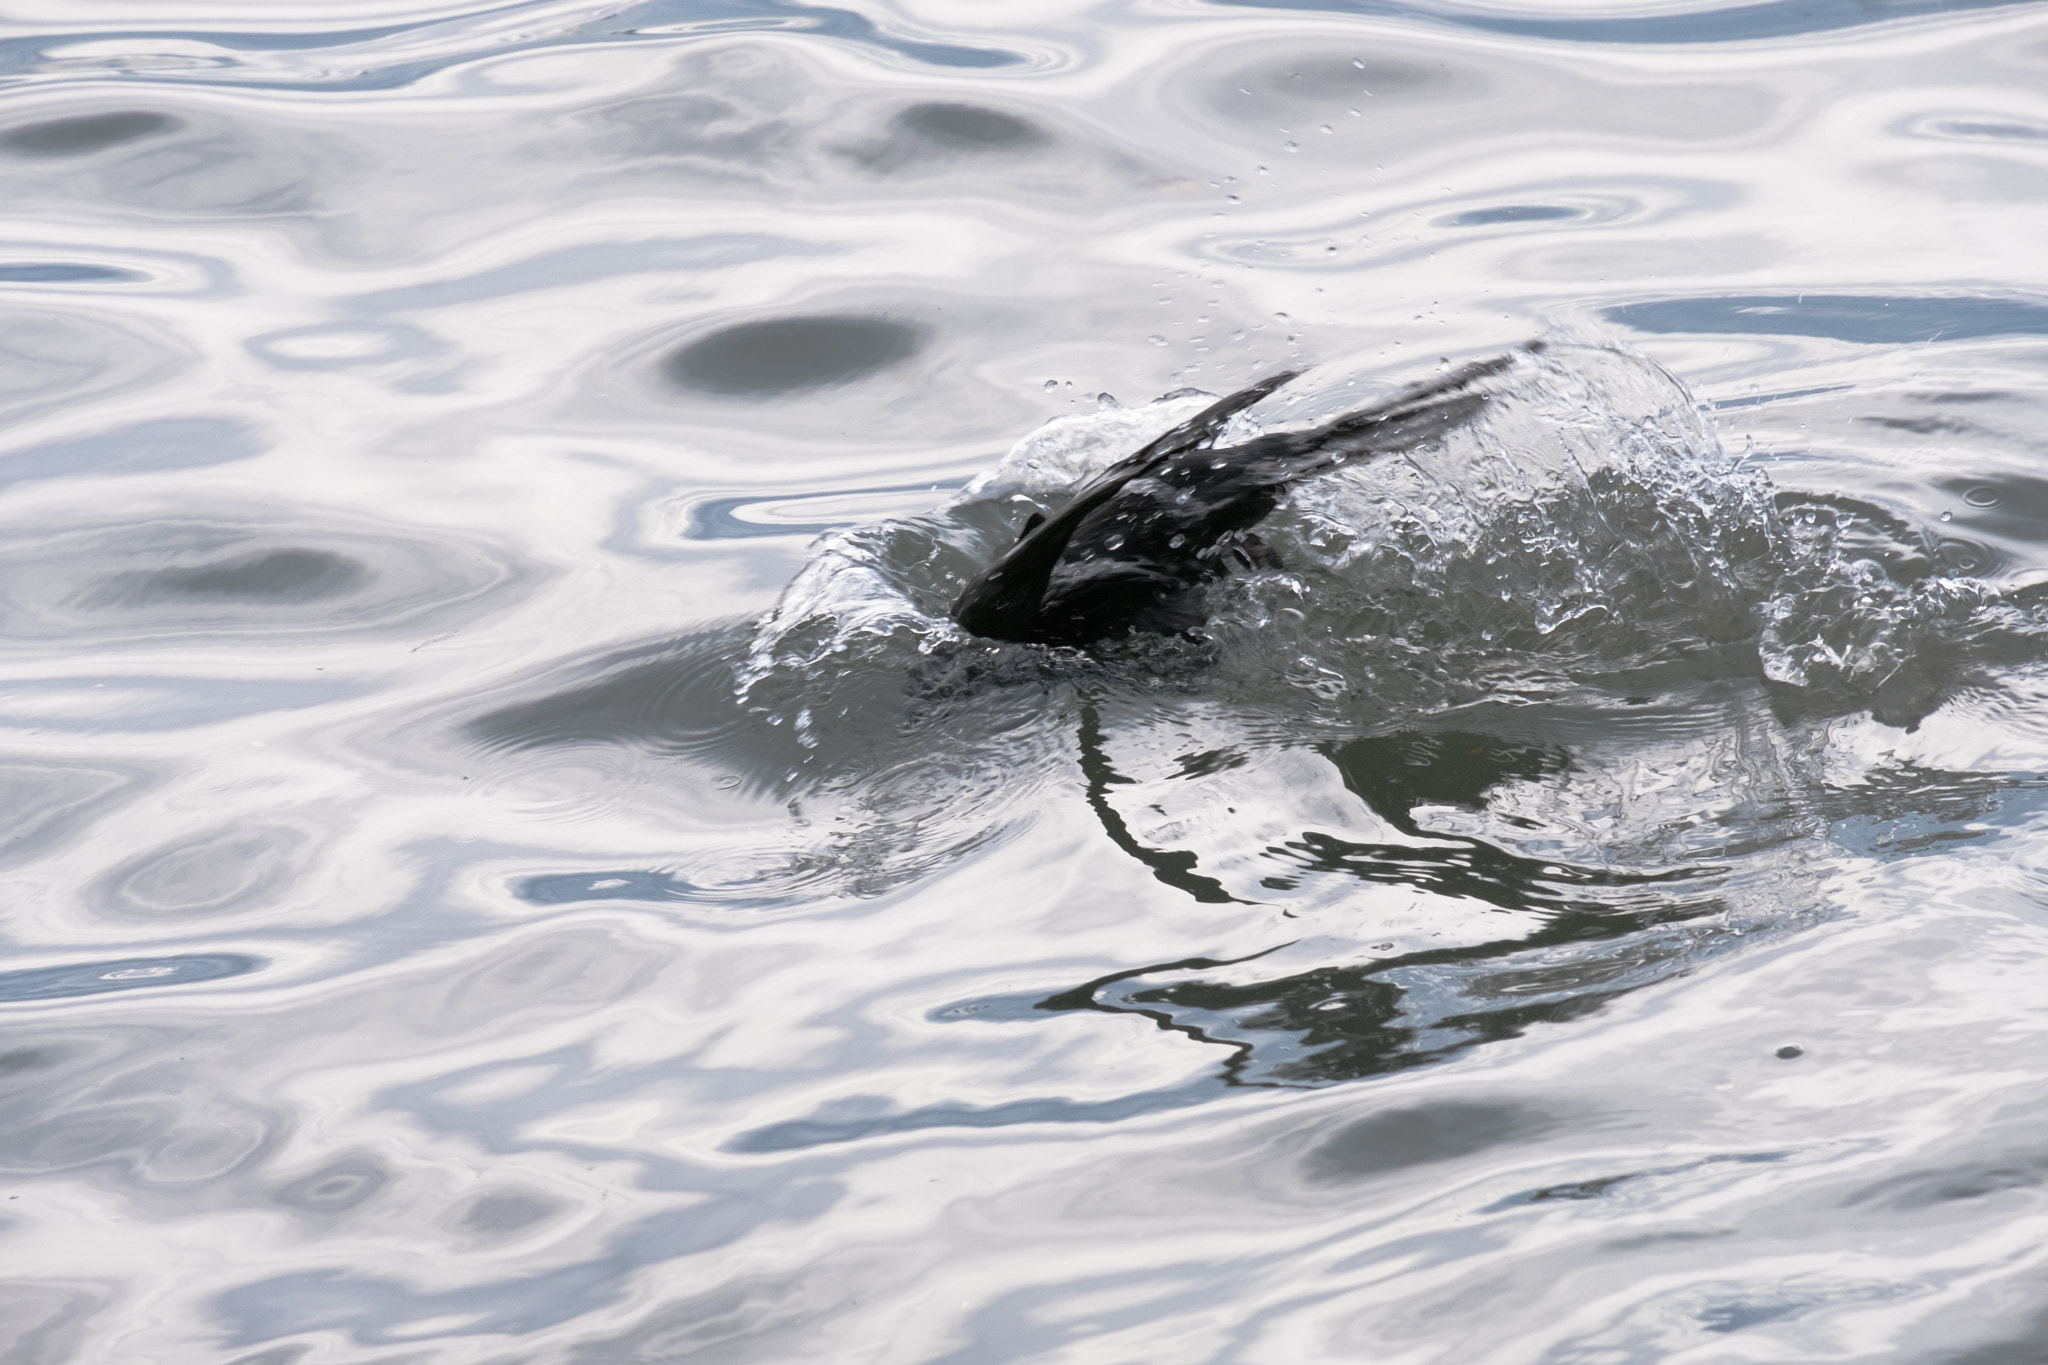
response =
{"points": [[1140, 542]]}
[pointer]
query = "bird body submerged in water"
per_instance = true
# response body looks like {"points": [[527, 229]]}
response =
{"points": [[1140, 542]]}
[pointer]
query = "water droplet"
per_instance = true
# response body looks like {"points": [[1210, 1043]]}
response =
{"points": [[1358, 62], [1156, 339], [1178, 540], [1051, 384], [1105, 401], [1114, 543], [1328, 129], [1948, 516], [1293, 146]]}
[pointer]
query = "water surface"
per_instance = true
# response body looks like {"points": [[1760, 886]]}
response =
{"points": [[508, 861]]}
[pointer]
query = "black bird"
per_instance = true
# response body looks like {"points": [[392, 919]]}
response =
{"points": [[1138, 545]]}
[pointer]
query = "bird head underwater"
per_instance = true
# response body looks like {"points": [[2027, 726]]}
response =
{"points": [[1138, 544], [1514, 527], [1505, 693]]}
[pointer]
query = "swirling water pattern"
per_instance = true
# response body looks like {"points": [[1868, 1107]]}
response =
{"points": [[488, 883]]}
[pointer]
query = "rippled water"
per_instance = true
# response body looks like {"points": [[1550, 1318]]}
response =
{"points": [[510, 861]]}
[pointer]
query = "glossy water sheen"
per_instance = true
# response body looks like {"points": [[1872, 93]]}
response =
{"points": [[507, 860]]}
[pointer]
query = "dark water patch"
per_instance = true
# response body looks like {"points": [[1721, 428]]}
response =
{"points": [[1922, 426], [28, 1059], [264, 577], [1870, 320], [1405, 1138], [290, 575], [1507, 213], [674, 697], [85, 134], [506, 1212], [969, 127], [1967, 396], [939, 132], [2012, 506], [63, 272], [1726, 24], [786, 355], [336, 1187], [123, 974]]}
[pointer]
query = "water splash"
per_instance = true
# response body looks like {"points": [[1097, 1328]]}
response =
{"points": [[1587, 527]]}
